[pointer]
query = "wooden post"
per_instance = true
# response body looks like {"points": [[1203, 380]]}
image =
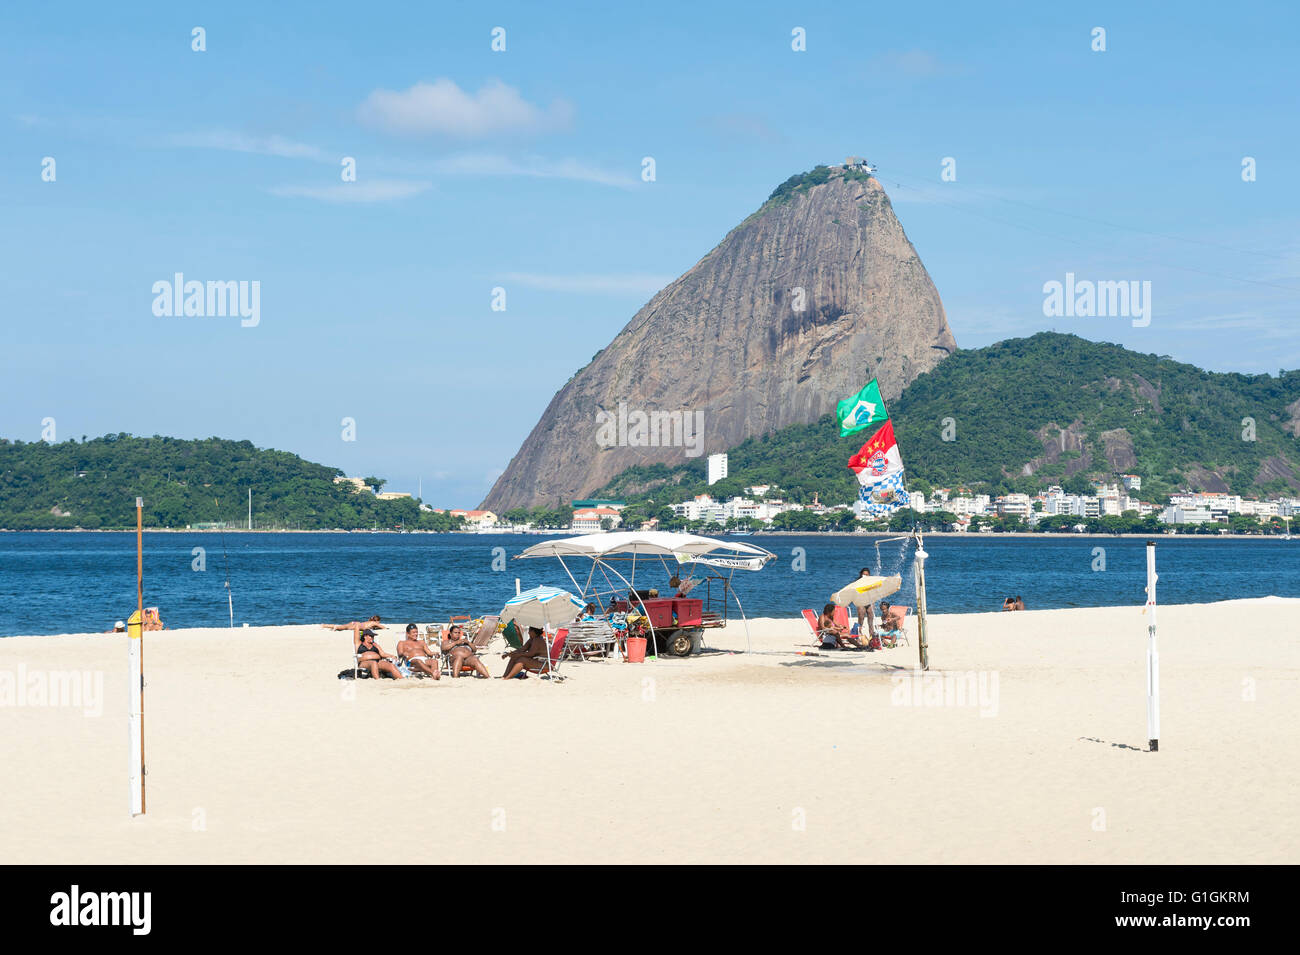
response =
{"points": [[922, 646]]}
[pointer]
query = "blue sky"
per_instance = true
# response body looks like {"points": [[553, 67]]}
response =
{"points": [[522, 169]]}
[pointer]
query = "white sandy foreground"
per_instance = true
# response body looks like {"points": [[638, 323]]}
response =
{"points": [[257, 753]]}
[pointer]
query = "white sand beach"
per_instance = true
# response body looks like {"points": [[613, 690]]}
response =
{"points": [[258, 753]]}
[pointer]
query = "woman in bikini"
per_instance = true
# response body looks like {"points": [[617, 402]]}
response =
{"points": [[459, 651], [372, 658]]}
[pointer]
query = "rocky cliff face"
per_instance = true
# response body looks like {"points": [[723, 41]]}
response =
{"points": [[796, 308]]}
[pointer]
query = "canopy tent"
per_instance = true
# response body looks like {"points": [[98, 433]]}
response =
{"points": [[602, 548], [632, 543]]}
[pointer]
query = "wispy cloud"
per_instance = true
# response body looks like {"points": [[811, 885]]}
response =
{"points": [[443, 108], [373, 190], [591, 284], [232, 141], [916, 64], [491, 164]]}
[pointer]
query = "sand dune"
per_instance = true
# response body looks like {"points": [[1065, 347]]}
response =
{"points": [[257, 753]]}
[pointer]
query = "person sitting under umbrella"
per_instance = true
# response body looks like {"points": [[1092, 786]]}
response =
{"points": [[531, 656]]}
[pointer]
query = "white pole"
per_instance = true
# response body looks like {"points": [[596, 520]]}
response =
{"points": [[135, 676], [250, 508], [922, 647], [516, 586], [1153, 655]]}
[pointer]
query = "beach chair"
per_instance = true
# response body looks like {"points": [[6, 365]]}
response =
{"points": [[486, 632], [513, 636], [590, 638], [551, 667], [811, 619]]}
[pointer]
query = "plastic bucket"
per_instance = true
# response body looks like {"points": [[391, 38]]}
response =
{"points": [[636, 649]]}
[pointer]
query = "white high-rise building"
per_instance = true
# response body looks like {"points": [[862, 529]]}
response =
{"points": [[717, 467]]}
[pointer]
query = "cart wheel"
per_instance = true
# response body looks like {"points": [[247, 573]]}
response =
{"points": [[680, 643]]}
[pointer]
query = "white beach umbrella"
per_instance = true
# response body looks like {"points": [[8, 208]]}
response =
{"points": [[866, 590], [542, 607]]}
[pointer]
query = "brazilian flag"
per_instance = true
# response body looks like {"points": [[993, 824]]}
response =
{"points": [[862, 410]]}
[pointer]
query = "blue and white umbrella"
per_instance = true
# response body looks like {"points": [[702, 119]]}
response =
{"points": [[542, 607]]}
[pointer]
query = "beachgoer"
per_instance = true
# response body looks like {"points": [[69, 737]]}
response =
{"points": [[151, 619], [459, 651], [835, 636], [1009, 603], [531, 656], [373, 624], [119, 627], [416, 653], [864, 612], [1020, 602], [372, 658]]}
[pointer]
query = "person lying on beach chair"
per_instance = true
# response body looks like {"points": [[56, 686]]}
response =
{"points": [[355, 626], [458, 650], [372, 658], [531, 656], [415, 652], [834, 635]]}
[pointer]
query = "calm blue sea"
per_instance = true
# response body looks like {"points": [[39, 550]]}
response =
{"points": [[61, 583]]}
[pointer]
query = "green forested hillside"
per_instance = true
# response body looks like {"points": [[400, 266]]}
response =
{"points": [[1005, 408], [94, 484]]}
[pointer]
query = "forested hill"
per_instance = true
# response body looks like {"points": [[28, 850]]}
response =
{"points": [[1026, 413], [93, 484]]}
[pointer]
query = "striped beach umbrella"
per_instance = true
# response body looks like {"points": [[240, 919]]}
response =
{"points": [[542, 607]]}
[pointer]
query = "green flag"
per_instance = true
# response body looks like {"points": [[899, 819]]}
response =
{"points": [[862, 410]]}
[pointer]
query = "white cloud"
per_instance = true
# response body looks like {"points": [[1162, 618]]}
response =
{"points": [[232, 141], [371, 190], [598, 284], [443, 108]]}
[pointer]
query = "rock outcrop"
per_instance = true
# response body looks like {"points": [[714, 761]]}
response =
{"points": [[801, 304]]}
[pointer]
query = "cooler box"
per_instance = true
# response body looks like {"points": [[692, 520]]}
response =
{"points": [[660, 613], [689, 610]]}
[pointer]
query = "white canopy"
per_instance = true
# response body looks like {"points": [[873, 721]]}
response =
{"points": [[645, 542]]}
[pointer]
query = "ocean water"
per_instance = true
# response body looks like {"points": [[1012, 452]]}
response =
{"points": [[61, 582]]}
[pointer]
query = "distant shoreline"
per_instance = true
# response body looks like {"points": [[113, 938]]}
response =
{"points": [[1032, 535]]}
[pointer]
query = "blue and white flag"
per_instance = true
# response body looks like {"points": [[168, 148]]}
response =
{"points": [[884, 497]]}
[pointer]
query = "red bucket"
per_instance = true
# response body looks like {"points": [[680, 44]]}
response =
{"points": [[636, 649]]}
